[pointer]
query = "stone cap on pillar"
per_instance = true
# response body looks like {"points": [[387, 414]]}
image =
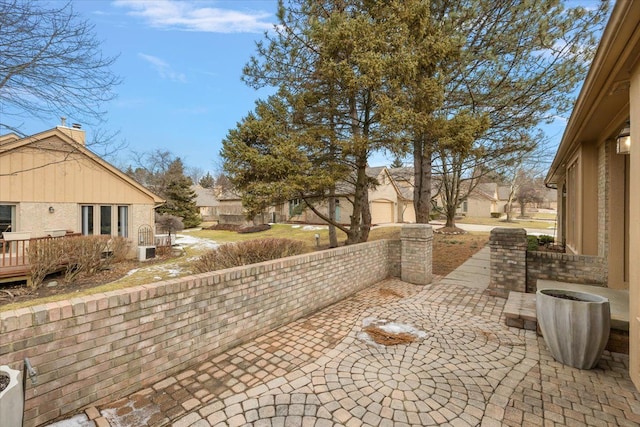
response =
{"points": [[508, 236], [416, 231]]}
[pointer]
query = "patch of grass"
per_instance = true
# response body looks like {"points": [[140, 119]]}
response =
{"points": [[514, 223], [243, 253], [302, 233], [447, 257], [544, 215], [453, 242]]}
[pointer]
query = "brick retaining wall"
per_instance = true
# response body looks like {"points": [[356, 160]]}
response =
{"points": [[98, 348], [514, 268], [585, 269]]}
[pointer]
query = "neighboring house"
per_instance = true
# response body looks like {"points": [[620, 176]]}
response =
{"points": [[549, 199], [503, 199], [383, 197], [387, 203], [403, 179], [481, 202], [598, 184], [50, 183], [206, 202], [230, 209]]}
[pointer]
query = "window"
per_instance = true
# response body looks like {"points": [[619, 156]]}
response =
{"points": [[105, 220], [87, 220], [123, 221], [7, 218], [112, 220]]}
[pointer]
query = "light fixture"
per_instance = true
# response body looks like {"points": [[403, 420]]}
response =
{"points": [[51, 209], [623, 140]]}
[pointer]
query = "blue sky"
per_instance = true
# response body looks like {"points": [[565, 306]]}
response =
{"points": [[181, 64]]}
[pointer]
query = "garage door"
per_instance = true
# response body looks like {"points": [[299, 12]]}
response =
{"points": [[381, 212]]}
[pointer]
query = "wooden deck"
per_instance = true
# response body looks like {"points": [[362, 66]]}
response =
{"points": [[14, 258], [14, 261]]}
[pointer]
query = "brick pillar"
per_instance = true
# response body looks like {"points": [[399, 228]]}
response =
{"points": [[416, 241], [508, 261]]}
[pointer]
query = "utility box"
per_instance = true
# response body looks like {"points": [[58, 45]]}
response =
{"points": [[146, 252]]}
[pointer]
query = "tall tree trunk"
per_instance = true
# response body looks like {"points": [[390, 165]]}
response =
{"points": [[422, 179], [451, 216], [366, 217], [359, 202], [509, 205], [333, 237], [360, 185]]}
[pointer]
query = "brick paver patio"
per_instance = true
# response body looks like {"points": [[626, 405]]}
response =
{"points": [[467, 368]]}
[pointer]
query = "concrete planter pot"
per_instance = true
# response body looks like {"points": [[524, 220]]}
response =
{"points": [[575, 325], [11, 398]]}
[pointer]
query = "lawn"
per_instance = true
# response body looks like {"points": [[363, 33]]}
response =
{"points": [[515, 222], [448, 253]]}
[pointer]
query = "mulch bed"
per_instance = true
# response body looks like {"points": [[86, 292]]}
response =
{"points": [[386, 338], [390, 293]]}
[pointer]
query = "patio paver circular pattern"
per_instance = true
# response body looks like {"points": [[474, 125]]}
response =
{"points": [[447, 373]]}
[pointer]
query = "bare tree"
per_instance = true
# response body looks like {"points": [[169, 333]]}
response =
{"points": [[195, 173], [51, 65]]}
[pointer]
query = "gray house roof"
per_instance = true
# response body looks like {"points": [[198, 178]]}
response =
{"points": [[204, 196]]}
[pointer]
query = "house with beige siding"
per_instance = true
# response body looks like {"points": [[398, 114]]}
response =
{"points": [[52, 184], [403, 180], [597, 166], [206, 202], [387, 202]]}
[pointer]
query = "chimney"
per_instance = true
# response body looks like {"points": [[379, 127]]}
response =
{"points": [[75, 131]]}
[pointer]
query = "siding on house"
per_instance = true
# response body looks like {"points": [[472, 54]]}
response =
{"points": [[598, 189], [48, 177]]}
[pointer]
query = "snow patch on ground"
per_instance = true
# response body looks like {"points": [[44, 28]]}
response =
{"points": [[75, 421], [313, 227], [135, 417], [389, 327], [196, 242], [310, 227], [170, 270]]}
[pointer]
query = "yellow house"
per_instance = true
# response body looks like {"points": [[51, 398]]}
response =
{"points": [[50, 183], [597, 167]]}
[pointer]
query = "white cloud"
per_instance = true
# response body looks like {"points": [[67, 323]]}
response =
{"points": [[191, 16], [164, 70]]}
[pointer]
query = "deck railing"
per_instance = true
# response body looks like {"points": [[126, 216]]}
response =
{"points": [[14, 253]]}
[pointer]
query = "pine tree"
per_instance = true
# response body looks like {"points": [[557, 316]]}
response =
{"points": [[207, 181], [180, 197]]}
